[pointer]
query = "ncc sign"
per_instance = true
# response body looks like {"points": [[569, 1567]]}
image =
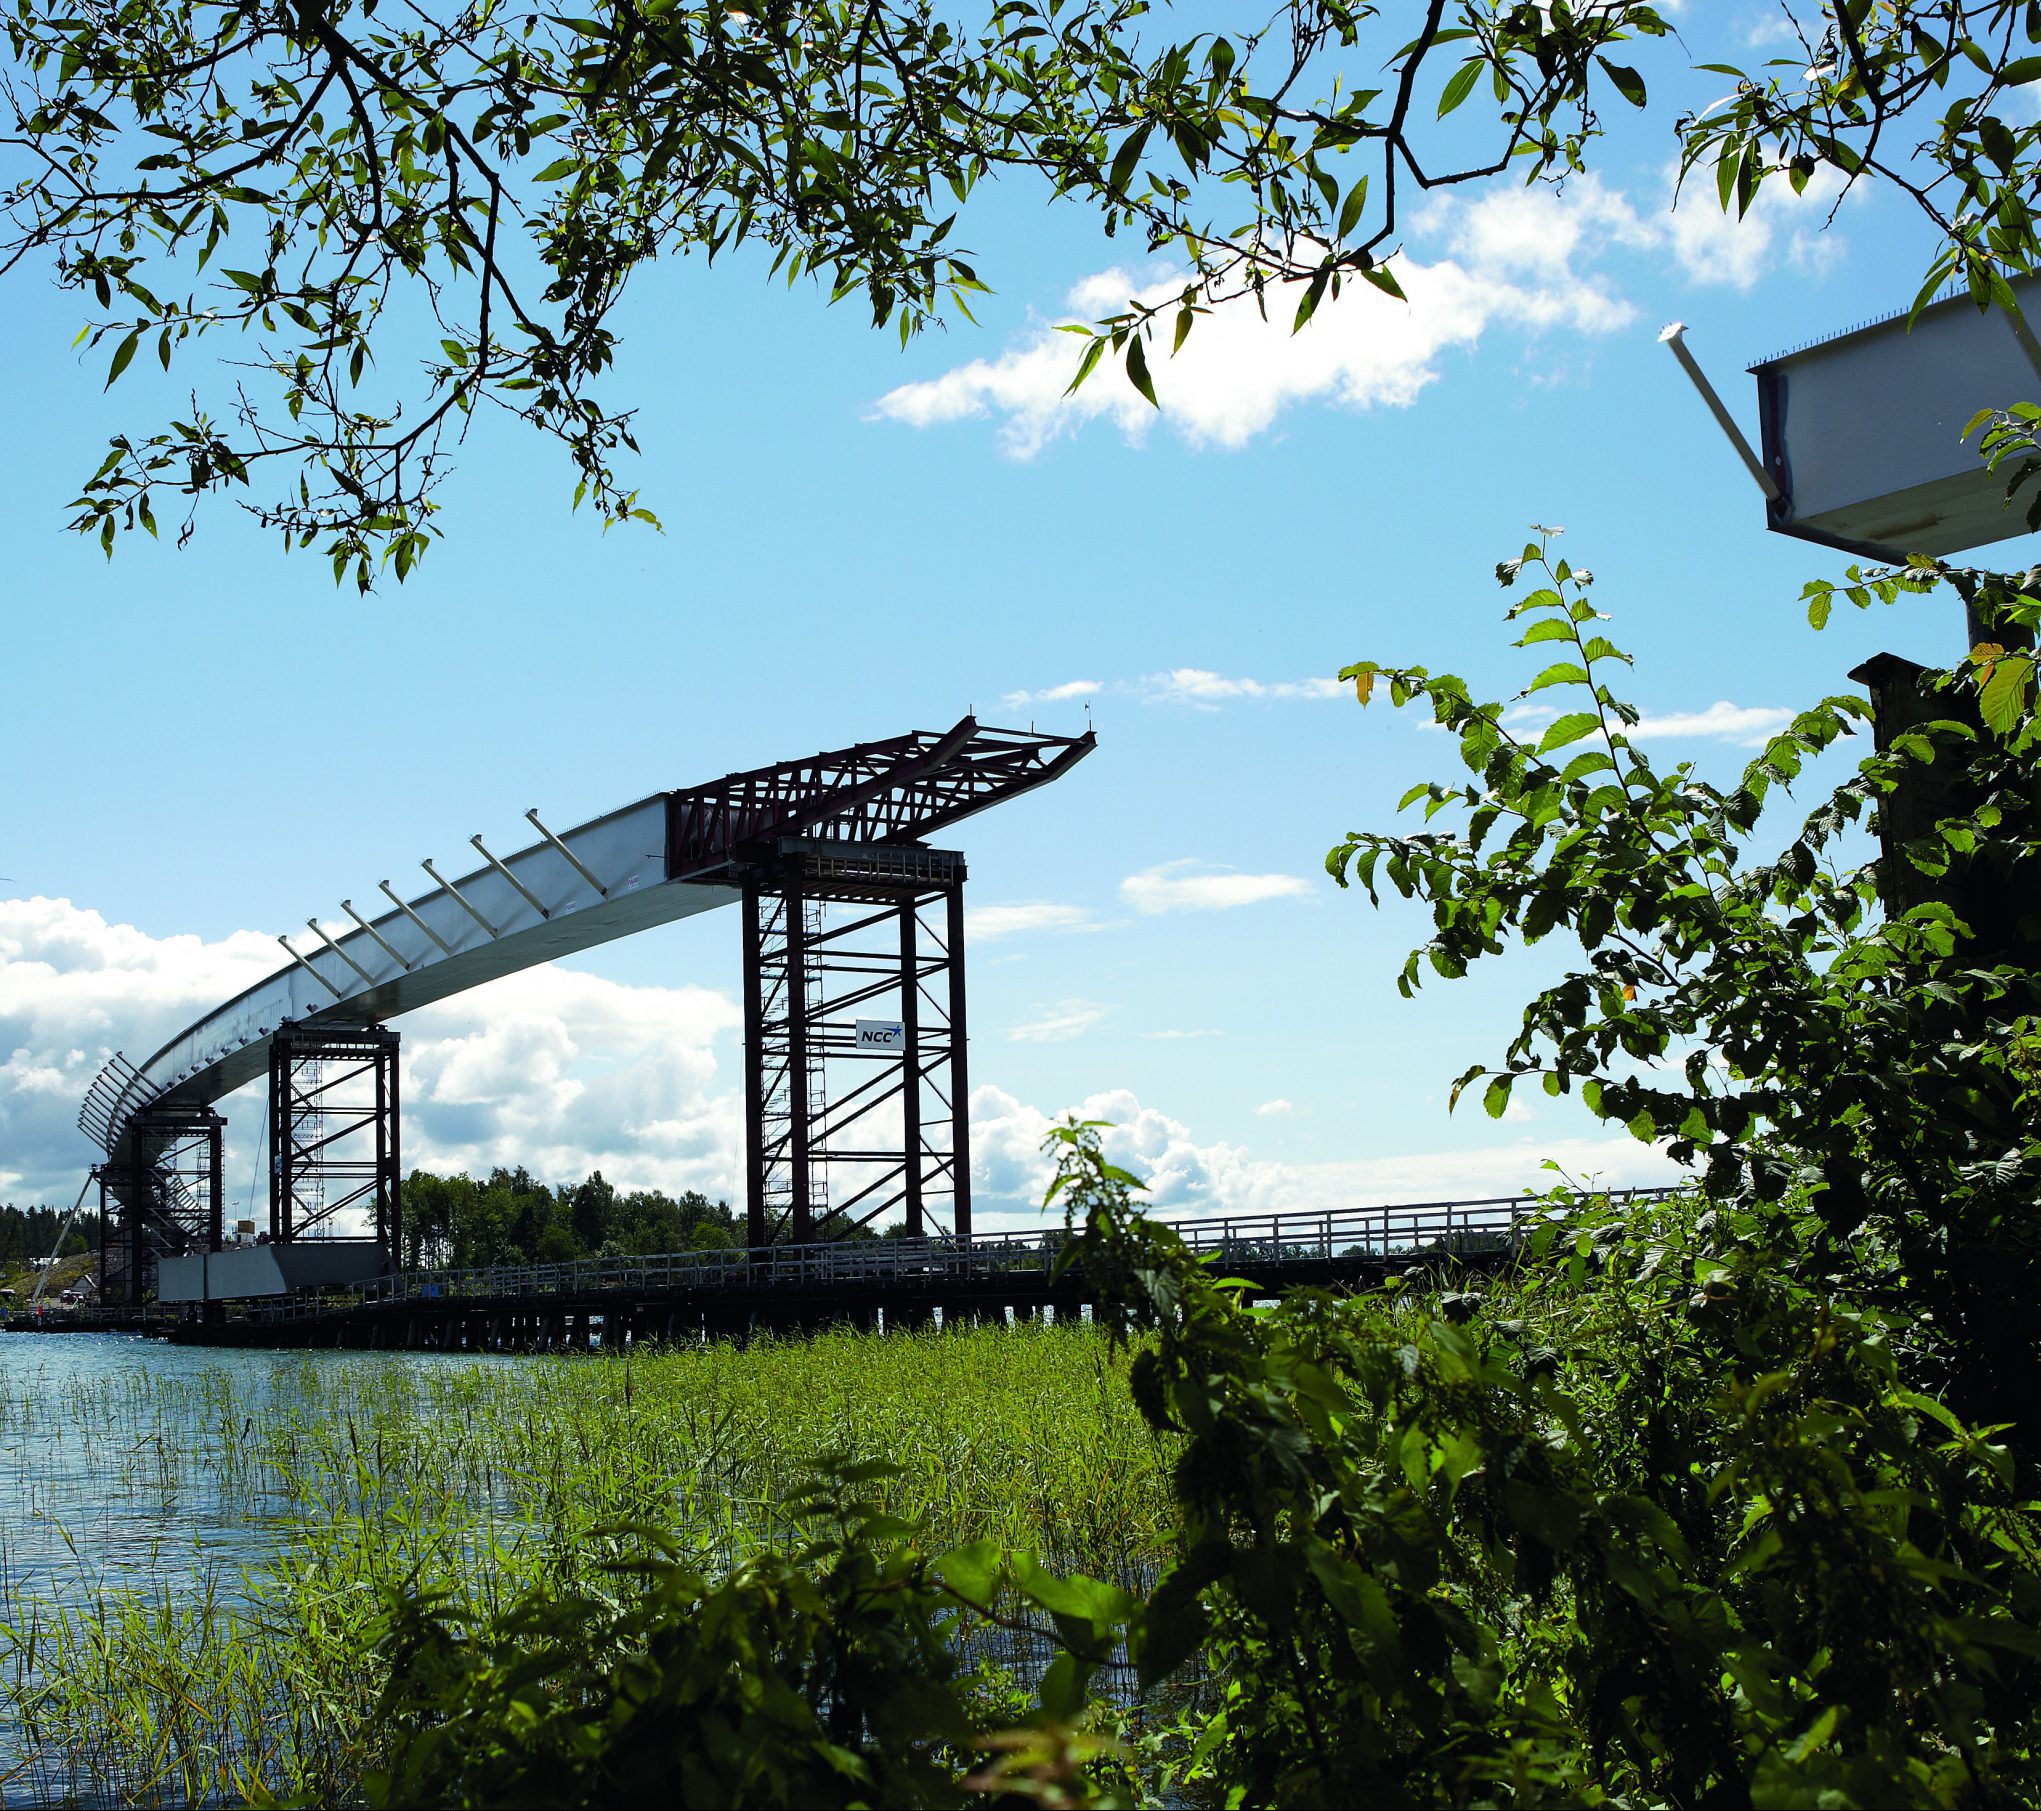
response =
{"points": [[881, 1035]]}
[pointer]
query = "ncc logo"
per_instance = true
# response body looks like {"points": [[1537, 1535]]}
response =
{"points": [[881, 1034]]}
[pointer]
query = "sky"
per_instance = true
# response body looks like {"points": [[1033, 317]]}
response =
{"points": [[205, 747]]}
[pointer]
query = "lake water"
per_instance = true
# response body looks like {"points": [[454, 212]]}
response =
{"points": [[114, 1461], [192, 1533]]}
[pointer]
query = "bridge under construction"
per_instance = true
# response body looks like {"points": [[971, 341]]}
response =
{"points": [[856, 1072]]}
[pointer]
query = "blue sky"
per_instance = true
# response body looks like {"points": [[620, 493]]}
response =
{"points": [[206, 746]]}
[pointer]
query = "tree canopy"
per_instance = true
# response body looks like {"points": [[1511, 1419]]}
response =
{"points": [[379, 216]]}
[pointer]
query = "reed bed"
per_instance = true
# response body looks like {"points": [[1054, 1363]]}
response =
{"points": [[193, 1556]]}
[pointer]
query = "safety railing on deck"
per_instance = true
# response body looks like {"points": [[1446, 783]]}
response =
{"points": [[1251, 1241]]}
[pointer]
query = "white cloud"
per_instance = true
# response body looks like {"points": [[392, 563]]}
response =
{"points": [[1208, 1031], [1553, 235], [1718, 249], [1270, 1109], [1174, 886], [1206, 690], [1747, 725], [568, 1072], [1053, 694], [1059, 1023], [1010, 1173], [1540, 231], [553, 1068], [1198, 687], [1525, 257], [1241, 368], [989, 923]]}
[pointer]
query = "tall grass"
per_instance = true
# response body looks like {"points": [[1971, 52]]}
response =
{"points": [[207, 1633]]}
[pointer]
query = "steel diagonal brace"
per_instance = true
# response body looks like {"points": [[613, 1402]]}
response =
{"points": [[841, 800]]}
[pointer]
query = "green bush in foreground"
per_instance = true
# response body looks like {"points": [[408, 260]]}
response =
{"points": [[1674, 1515], [1656, 1522]]}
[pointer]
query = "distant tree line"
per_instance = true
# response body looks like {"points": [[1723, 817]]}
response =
{"points": [[512, 1218], [28, 1233]]}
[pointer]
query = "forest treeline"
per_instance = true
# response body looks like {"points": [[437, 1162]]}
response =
{"points": [[28, 1233], [510, 1217]]}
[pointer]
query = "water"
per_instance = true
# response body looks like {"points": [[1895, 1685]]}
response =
{"points": [[201, 1539], [119, 1467], [148, 1493]]}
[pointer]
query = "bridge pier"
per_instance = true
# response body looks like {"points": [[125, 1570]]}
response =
{"points": [[894, 958], [334, 1129]]}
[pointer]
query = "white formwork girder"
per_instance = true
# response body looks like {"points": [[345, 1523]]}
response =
{"points": [[608, 878], [624, 851]]}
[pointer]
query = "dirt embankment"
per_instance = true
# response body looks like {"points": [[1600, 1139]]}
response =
{"points": [[21, 1279]]}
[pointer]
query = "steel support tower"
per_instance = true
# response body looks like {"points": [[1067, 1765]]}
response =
{"points": [[333, 1131], [856, 1078], [170, 1192]]}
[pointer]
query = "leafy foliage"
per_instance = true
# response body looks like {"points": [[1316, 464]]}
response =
{"points": [[821, 1677], [826, 1676], [510, 1217], [1660, 1520], [1765, 1019], [352, 188]]}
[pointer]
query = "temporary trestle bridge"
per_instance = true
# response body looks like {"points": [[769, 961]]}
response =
{"points": [[681, 1297], [856, 1081]]}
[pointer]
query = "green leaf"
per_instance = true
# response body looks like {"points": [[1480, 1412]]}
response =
{"points": [[1356, 205], [1629, 84], [1137, 369], [123, 356], [972, 1571], [2004, 696], [1460, 86], [1569, 728], [1127, 159]]}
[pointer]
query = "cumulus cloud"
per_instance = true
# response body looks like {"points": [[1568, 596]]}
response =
{"points": [[1545, 235], [1059, 1023], [567, 1072], [1052, 694], [1186, 1177], [1271, 1109], [1206, 690], [73, 990], [1541, 232], [989, 923], [1718, 249], [1241, 368], [1745, 725], [1748, 725], [553, 1068], [1522, 258], [1181, 886]]}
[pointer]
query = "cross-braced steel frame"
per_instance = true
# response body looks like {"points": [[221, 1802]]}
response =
{"points": [[839, 1134], [169, 1194], [333, 1131]]}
